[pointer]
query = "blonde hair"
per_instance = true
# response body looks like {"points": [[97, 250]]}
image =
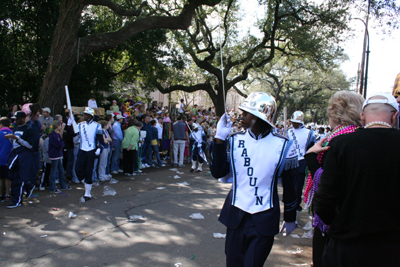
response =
{"points": [[344, 108], [54, 126]]}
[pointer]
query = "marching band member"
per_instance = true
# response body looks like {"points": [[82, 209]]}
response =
{"points": [[257, 157]]}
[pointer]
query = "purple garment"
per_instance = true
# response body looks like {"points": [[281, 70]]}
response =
{"points": [[317, 220]]}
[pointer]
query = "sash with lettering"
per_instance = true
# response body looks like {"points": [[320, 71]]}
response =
{"points": [[88, 132], [301, 138], [255, 166]]}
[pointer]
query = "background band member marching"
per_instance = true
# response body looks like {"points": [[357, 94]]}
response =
{"points": [[302, 139], [91, 136], [199, 141]]}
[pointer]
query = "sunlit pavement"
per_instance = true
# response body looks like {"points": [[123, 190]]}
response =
{"points": [[38, 234]]}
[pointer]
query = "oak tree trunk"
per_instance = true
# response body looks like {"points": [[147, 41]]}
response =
{"points": [[63, 56]]}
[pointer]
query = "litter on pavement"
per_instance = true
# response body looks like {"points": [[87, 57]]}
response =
{"points": [[177, 177], [297, 251], [308, 234], [219, 235], [160, 188], [108, 191], [182, 184], [113, 181], [180, 172], [295, 235], [135, 218], [174, 169], [71, 215], [196, 216], [308, 226]]}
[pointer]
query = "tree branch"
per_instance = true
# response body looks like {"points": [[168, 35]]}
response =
{"points": [[117, 8], [103, 41]]}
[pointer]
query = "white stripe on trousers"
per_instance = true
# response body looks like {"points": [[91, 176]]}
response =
{"points": [[21, 191]]}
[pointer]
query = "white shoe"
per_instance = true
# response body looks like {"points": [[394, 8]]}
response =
{"points": [[114, 172], [109, 176], [128, 174], [120, 171], [144, 166], [163, 165], [138, 171], [42, 188], [147, 165], [133, 173]]}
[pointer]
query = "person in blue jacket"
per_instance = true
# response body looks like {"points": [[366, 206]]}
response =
{"points": [[20, 160], [5, 149], [257, 157]]}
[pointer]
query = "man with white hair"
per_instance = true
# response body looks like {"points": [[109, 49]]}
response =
{"points": [[358, 194]]}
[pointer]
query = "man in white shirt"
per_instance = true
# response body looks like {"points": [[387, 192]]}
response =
{"points": [[92, 102], [90, 133], [182, 109], [159, 127]]}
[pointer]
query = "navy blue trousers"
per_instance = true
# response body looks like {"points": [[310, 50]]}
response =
{"points": [[20, 176], [84, 165], [245, 246], [297, 176]]}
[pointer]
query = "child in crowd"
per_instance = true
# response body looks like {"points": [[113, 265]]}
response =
{"points": [[155, 143], [46, 165], [104, 154], [56, 145], [5, 149]]}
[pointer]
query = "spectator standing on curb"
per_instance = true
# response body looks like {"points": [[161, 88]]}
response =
{"points": [[5, 149], [114, 107], [155, 143], [20, 160], [110, 119], [92, 102], [182, 109], [104, 153], [343, 111], [180, 136], [37, 128], [129, 147], [117, 141], [45, 119], [56, 145], [358, 193], [46, 165], [146, 149], [159, 127]]}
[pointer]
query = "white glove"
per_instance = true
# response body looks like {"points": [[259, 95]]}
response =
{"points": [[289, 226], [69, 123], [223, 127], [97, 152]]}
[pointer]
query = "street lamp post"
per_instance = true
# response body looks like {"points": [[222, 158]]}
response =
{"points": [[364, 60]]}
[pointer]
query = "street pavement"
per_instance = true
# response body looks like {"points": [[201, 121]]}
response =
{"points": [[37, 234]]}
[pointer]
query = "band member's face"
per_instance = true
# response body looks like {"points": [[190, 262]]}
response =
{"points": [[246, 119]]}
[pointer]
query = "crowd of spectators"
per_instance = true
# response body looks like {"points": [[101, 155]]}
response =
{"points": [[134, 138]]}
